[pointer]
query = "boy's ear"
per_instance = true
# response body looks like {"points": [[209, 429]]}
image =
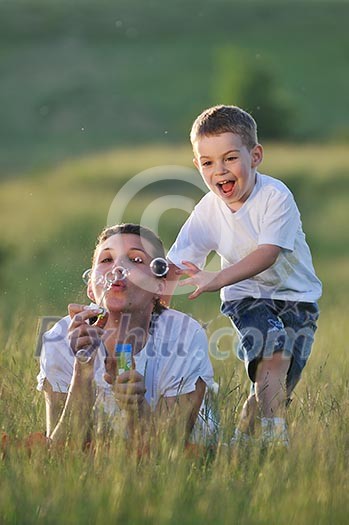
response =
{"points": [[196, 164], [256, 155]]}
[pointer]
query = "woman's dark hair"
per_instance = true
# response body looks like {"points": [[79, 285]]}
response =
{"points": [[144, 233]]}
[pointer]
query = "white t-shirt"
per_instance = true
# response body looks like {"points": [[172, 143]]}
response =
{"points": [[173, 359], [269, 216]]}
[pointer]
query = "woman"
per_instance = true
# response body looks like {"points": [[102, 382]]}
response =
{"points": [[171, 367]]}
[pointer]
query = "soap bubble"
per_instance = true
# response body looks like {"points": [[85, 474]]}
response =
{"points": [[83, 356], [86, 275], [91, 275], [159, 267], [119, 273], [97, 278]]}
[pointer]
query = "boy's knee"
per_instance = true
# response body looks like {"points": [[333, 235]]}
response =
{"points": [[277, 362]]}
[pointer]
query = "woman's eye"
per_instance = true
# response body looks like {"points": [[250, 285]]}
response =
{"points": [[106, 260], [137, 259], [230, 159]]}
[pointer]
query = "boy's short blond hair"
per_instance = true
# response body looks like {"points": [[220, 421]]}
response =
{"points": [[225, 119]]}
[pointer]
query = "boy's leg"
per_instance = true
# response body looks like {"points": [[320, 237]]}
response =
{"points": [[270, 332], [271, 397], [299, 320], [268, 401], [248, 415], [261, 333], [271, 385]]}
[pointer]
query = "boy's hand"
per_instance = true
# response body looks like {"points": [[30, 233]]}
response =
{"points": [[203, 280]]}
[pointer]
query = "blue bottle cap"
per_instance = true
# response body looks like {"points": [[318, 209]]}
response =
{"points": [[123, 347]]}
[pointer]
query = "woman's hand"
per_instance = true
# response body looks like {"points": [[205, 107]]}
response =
{"points": [[81, 334], [129, 389], [203, 280]]}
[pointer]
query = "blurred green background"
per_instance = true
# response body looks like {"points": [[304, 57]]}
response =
{"points": [[82, 76], [93, 93]]}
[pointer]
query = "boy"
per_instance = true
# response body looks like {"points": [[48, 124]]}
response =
{"points": [[268, 285]]}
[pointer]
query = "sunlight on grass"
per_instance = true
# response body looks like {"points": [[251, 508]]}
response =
{"points": [[308, 484], [50, 223]]}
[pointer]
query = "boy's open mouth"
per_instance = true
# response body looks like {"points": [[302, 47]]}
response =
{"points": [[226, 187]]}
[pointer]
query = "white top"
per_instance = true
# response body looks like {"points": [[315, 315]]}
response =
{"points": [[173, 359], [269, 216]]}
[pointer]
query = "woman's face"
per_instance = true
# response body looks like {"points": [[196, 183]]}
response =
{"points": [[138, 290]]}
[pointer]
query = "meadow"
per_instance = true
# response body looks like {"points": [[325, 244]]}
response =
{"points": [[97, 98], [52, 217]]}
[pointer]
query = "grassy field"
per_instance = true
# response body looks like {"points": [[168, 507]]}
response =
{"points": [[50, 222], [94, 95], [80, 77]]}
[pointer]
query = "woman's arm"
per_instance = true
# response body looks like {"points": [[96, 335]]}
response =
{"points": [[75, 421], [54, 402], [182, 411]]}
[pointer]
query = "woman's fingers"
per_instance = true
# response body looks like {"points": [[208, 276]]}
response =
{"points": [[82, 317], [86, 330], [102, 320], [110, 369], [129, 390], [130, 376], [74, 309], [127, 402], [85, 336], [87, 342]]}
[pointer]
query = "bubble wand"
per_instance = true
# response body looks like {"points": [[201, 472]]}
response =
{"points": [[116, 274]]}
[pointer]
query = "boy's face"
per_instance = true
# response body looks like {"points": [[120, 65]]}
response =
{"points": [[227, 166]]}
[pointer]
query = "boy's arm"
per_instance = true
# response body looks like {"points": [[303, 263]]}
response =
{"points": [[254, 263]]}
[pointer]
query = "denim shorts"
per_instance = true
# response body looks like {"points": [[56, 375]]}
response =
{"points": [[265, 326]]}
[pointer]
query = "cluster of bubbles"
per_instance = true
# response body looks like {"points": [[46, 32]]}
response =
{"points": [[118, 273], [158, 266]]}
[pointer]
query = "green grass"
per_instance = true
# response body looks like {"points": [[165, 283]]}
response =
{"points": [[50, 220], [308, 485], [82, 77]]}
